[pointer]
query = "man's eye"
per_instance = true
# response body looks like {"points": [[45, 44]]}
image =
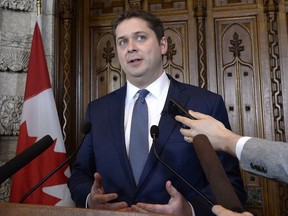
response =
{"points": [[141, 38], [122, 43]]}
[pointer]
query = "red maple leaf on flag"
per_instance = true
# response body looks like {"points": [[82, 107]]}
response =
{"points": [[44, 163]]}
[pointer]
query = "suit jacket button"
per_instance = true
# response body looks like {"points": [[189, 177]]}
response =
{"points": [[252, 165]]}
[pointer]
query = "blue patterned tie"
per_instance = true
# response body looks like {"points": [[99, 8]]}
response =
{"points": [[139, 135]]}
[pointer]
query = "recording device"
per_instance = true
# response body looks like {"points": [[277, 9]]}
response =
{"points": [[215, 174], [175, 108], [25, 157], [154, 132], [85, 130]]}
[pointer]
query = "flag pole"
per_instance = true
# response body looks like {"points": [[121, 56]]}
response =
{"points": [[39, 7]]}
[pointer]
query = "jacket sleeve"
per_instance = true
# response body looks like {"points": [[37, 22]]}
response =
{"points": [[82, 174], [265, 158]]}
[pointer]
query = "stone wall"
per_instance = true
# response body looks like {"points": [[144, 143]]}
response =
{"points": [[17, 22]]}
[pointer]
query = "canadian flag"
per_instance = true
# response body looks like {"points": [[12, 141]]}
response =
{"points": [[40, 118]]}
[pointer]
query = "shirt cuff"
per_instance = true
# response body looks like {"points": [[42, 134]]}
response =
{"points": [[86, 204], [193, 212], [239, 146]]}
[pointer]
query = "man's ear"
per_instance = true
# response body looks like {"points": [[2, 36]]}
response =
{"points": [[164, 45]]}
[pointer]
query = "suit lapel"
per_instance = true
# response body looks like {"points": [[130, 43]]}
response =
{"points": [[116, 112]]}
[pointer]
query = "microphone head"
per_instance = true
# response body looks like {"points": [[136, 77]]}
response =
{"points": [[86, 128], [154, 131]]}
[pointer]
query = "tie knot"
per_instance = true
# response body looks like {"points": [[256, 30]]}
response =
{"points": [[142, 94]]}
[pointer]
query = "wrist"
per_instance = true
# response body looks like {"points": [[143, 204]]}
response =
{"points": [[231, 140]]}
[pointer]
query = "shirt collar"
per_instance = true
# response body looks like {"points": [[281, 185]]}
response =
{"points": [[157, 88]]}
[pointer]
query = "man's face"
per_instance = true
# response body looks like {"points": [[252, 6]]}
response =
{"points": [[139, 52]]}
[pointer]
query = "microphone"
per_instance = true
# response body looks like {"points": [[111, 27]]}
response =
{"points": [[25, 157], [85, 130], [154, 132], [215, 174]]}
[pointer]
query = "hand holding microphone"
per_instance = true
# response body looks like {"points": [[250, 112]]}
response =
{"points": [[220, 137], [211, 165]]}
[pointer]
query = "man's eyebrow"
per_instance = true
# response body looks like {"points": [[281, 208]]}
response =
{"points": [[134, 33], [120, 38]]}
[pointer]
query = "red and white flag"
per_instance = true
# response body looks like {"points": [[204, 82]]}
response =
{"points": [[40, 118]]}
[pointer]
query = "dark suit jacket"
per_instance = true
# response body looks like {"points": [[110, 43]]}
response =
{"points": [[104, 151]]}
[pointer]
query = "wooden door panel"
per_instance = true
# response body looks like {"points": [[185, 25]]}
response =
{"points": [[238, 76], [106, 75], [176, 59]]}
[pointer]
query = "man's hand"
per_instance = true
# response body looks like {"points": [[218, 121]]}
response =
{"points": [[220, 137], [99, 200], [177, 205], [221, 211]]}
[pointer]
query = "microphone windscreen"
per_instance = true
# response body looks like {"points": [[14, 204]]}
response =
{"points": [[154, 131], [19, 161], [86, 128], [215, 174]]}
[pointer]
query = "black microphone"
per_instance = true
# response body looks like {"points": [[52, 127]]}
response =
{"points": [[26, 156], [154, 131], [85, 130], [215, 174]]}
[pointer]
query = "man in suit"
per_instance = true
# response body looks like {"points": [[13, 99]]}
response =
{"points": [[259, 156], [102, 176]]}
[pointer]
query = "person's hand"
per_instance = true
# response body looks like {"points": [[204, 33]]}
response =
{"points": [[99, 200], [221, 211], [177, 204], [220, 137]]}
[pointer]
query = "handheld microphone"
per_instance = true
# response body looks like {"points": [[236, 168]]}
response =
{"points": [[154, 131], [215, 174], [26, 156], [85, 130]]}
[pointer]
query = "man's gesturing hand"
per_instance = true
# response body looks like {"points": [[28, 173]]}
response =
{"points": [[99, 200], [177, 204]]}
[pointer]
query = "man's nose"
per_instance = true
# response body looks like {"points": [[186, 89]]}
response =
{"points": [[131, 47]]}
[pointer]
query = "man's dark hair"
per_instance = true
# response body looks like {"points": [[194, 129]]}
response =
{"points": [[153, 22]]}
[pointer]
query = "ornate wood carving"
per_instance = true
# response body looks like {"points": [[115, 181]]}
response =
{"points": [[167, 4], [271, 9], [106, 73], [233, 2], [200, 9], [175, 62], [135, 4], [103, 7], [171, 66], [66, 11]]}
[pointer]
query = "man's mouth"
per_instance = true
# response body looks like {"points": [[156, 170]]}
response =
{"points": [[133, 61]]}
